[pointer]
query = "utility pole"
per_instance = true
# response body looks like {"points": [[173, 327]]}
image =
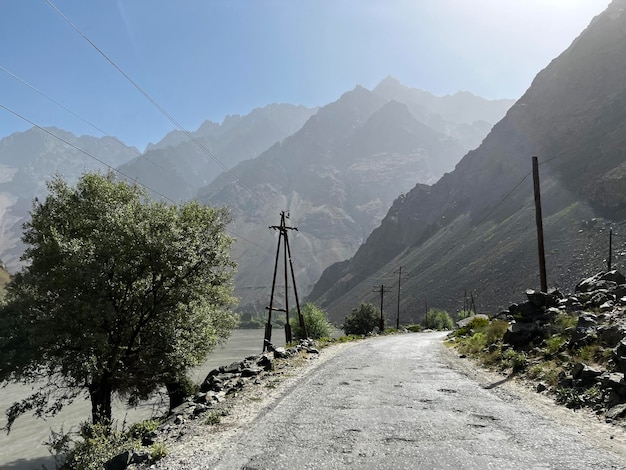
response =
{"points": [[539, 221], [608, 261], [284, 238], [381, 290]]}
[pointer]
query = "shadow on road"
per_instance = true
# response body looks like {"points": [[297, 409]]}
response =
{"points": [[499, 382]]}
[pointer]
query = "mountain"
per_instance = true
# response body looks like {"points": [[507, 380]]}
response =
{"points": [[337, 176], [177, 166], [474, 229], [29, 159]]}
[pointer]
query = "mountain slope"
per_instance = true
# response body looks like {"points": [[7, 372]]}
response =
{"points": [[177, 167], [29, 159], [336, 176], [474, 228]]}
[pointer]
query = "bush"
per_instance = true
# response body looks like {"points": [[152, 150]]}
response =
{"points": [[437, 320], [317, 324], [362, 320]]}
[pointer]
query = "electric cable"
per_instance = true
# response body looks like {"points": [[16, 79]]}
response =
{"points": [[112, 168], [92, 125], [148, 97]]}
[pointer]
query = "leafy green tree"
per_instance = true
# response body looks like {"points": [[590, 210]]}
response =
{"points": [[121, 295], [362, 320], [438, 320], [316, 321]]}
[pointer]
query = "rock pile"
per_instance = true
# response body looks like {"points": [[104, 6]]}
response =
{"points": [[599, 302], [214, 391]]}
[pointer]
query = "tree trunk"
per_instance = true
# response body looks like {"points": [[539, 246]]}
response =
{"points": [[177, 392], [100, 393]]}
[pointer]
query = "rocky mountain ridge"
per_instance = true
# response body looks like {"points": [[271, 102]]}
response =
{"points": [[336, 177], [336, 169], [474, 229]]}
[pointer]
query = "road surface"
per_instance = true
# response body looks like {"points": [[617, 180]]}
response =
{"points": [[397, 402]]}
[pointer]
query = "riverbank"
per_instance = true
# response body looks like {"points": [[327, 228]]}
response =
{"points": [[24, 448]]}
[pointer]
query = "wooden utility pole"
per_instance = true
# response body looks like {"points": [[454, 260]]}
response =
{"points": [[284, 238], [539, 220], [608, 261], [381, 290]]}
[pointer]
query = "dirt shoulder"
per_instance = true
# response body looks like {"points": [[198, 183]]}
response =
{"points": [[610, 436], [219, 427]]}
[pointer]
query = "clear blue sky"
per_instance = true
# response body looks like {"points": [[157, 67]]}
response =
{"points": [[204, 59]]}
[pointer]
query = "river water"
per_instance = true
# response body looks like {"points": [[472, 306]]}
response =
{"points": [[24, 447]]}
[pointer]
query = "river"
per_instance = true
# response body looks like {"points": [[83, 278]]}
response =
{"points": [[24, 447]]}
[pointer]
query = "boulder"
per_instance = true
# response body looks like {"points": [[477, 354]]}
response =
{"points": [[542, 299], [522, 334], [584, 373], [610, 335]]}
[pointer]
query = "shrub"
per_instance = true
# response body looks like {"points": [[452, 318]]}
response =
{"points": [[517, 361], [438, 320], [362, 320], [317, 324], [495, 330], [158, 451]]}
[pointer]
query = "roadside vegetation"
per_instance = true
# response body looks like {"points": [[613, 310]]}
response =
{"points": [[572, 372], [362, 320], [316, 321]]}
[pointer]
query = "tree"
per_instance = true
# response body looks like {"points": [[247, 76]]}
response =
{"points": [[121, 295], [362, 320], [438, 320], [317, 324]]}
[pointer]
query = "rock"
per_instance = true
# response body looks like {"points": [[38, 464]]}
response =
{"points": [[610, 335], [119, 462], [584, 373], [251, 371], [522, 334], [541, 388], [600, 281], [542, 299], [585, 330], [265, 362], [616, 412], [234, 368], [614, 276], [280, 353], [571, 303], [466, 321], [600, 296]]}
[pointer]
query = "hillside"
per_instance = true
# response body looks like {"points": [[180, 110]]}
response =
{"points": [[29, 159], [338, 175], [178, 166], [474, 229]]}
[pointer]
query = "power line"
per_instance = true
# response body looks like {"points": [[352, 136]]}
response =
{"points": [[148, 97], [103, 132], [111, 168]]}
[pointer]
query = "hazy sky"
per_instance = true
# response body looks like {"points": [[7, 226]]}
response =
{"points": [[204, 59]]}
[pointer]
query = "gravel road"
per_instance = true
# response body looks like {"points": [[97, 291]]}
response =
{"points": [[404, 402]]}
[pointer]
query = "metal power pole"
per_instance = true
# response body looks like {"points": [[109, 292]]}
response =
{"points": [[539, 221], [284, 238]]}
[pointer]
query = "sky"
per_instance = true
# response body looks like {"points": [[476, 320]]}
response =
{"points": [[204, 59]]}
